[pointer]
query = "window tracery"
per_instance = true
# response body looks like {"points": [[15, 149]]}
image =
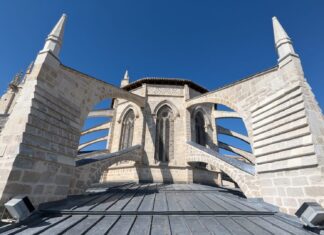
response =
{"points": [[164, 134], [127, 130], [200, 129]]}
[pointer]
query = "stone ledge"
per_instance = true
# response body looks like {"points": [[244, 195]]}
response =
{"points": [[279, 94], [296, 107], [105, 155], [293, 163], [238, 165], [288, 135]]}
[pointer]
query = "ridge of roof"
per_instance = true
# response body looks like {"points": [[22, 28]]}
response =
{"points": [[167, 81]]}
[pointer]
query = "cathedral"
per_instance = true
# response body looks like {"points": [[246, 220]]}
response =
{"points": [[162, 140]]}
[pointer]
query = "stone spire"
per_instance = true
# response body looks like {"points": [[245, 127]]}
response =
{"points": [[283, 42], [125, 80], [55, 38]]}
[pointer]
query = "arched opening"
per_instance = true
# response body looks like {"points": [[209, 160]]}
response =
{"points": [[98, 104], [232, 135], [126, 138], [233, 141], [95, 131], [200, 134], [164, 134]]}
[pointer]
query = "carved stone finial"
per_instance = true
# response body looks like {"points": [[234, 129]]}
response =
{"points": [[55, 38], [283, 42], [125, 80]]}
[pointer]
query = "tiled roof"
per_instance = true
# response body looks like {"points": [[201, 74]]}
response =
{"points": [[159, 209]]}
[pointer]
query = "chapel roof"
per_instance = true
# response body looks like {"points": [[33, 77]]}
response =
{"points": [[165, 81]]}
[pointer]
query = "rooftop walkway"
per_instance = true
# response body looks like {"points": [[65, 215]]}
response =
{"points": [[158, 209]]}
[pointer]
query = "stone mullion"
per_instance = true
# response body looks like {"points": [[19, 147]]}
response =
{"points": [[131, 135]]}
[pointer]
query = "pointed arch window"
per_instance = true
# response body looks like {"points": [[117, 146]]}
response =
{"points": [[200, 129], [127, 130], [164, 134]]}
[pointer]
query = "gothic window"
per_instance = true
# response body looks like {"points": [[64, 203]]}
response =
{"points": [[200, 129], [127, 130], [164, 134]]}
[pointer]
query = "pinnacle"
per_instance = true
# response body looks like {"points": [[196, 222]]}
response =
{"points": [[279, 32], [126, 77], [283, 42], [55, 38], [58, 30]]}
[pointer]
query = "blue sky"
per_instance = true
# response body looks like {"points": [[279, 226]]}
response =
{"points": [[210, 42]]}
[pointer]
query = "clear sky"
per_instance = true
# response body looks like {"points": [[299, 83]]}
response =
{"points": [[210, 42]]}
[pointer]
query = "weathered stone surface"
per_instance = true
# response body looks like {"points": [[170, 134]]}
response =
{"points": [[282, 182], [30, 177], [61, 190], [314, 191], [295, 192], [41, 121], [299, 181], [38, 189]]}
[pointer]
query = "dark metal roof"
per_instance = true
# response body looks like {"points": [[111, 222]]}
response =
{"points": [[159, 209], [165, 81]]}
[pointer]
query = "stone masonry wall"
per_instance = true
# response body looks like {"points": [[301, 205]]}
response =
{"points": [[3, 120], [285, 126], [94, 172], [39, 142]]}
